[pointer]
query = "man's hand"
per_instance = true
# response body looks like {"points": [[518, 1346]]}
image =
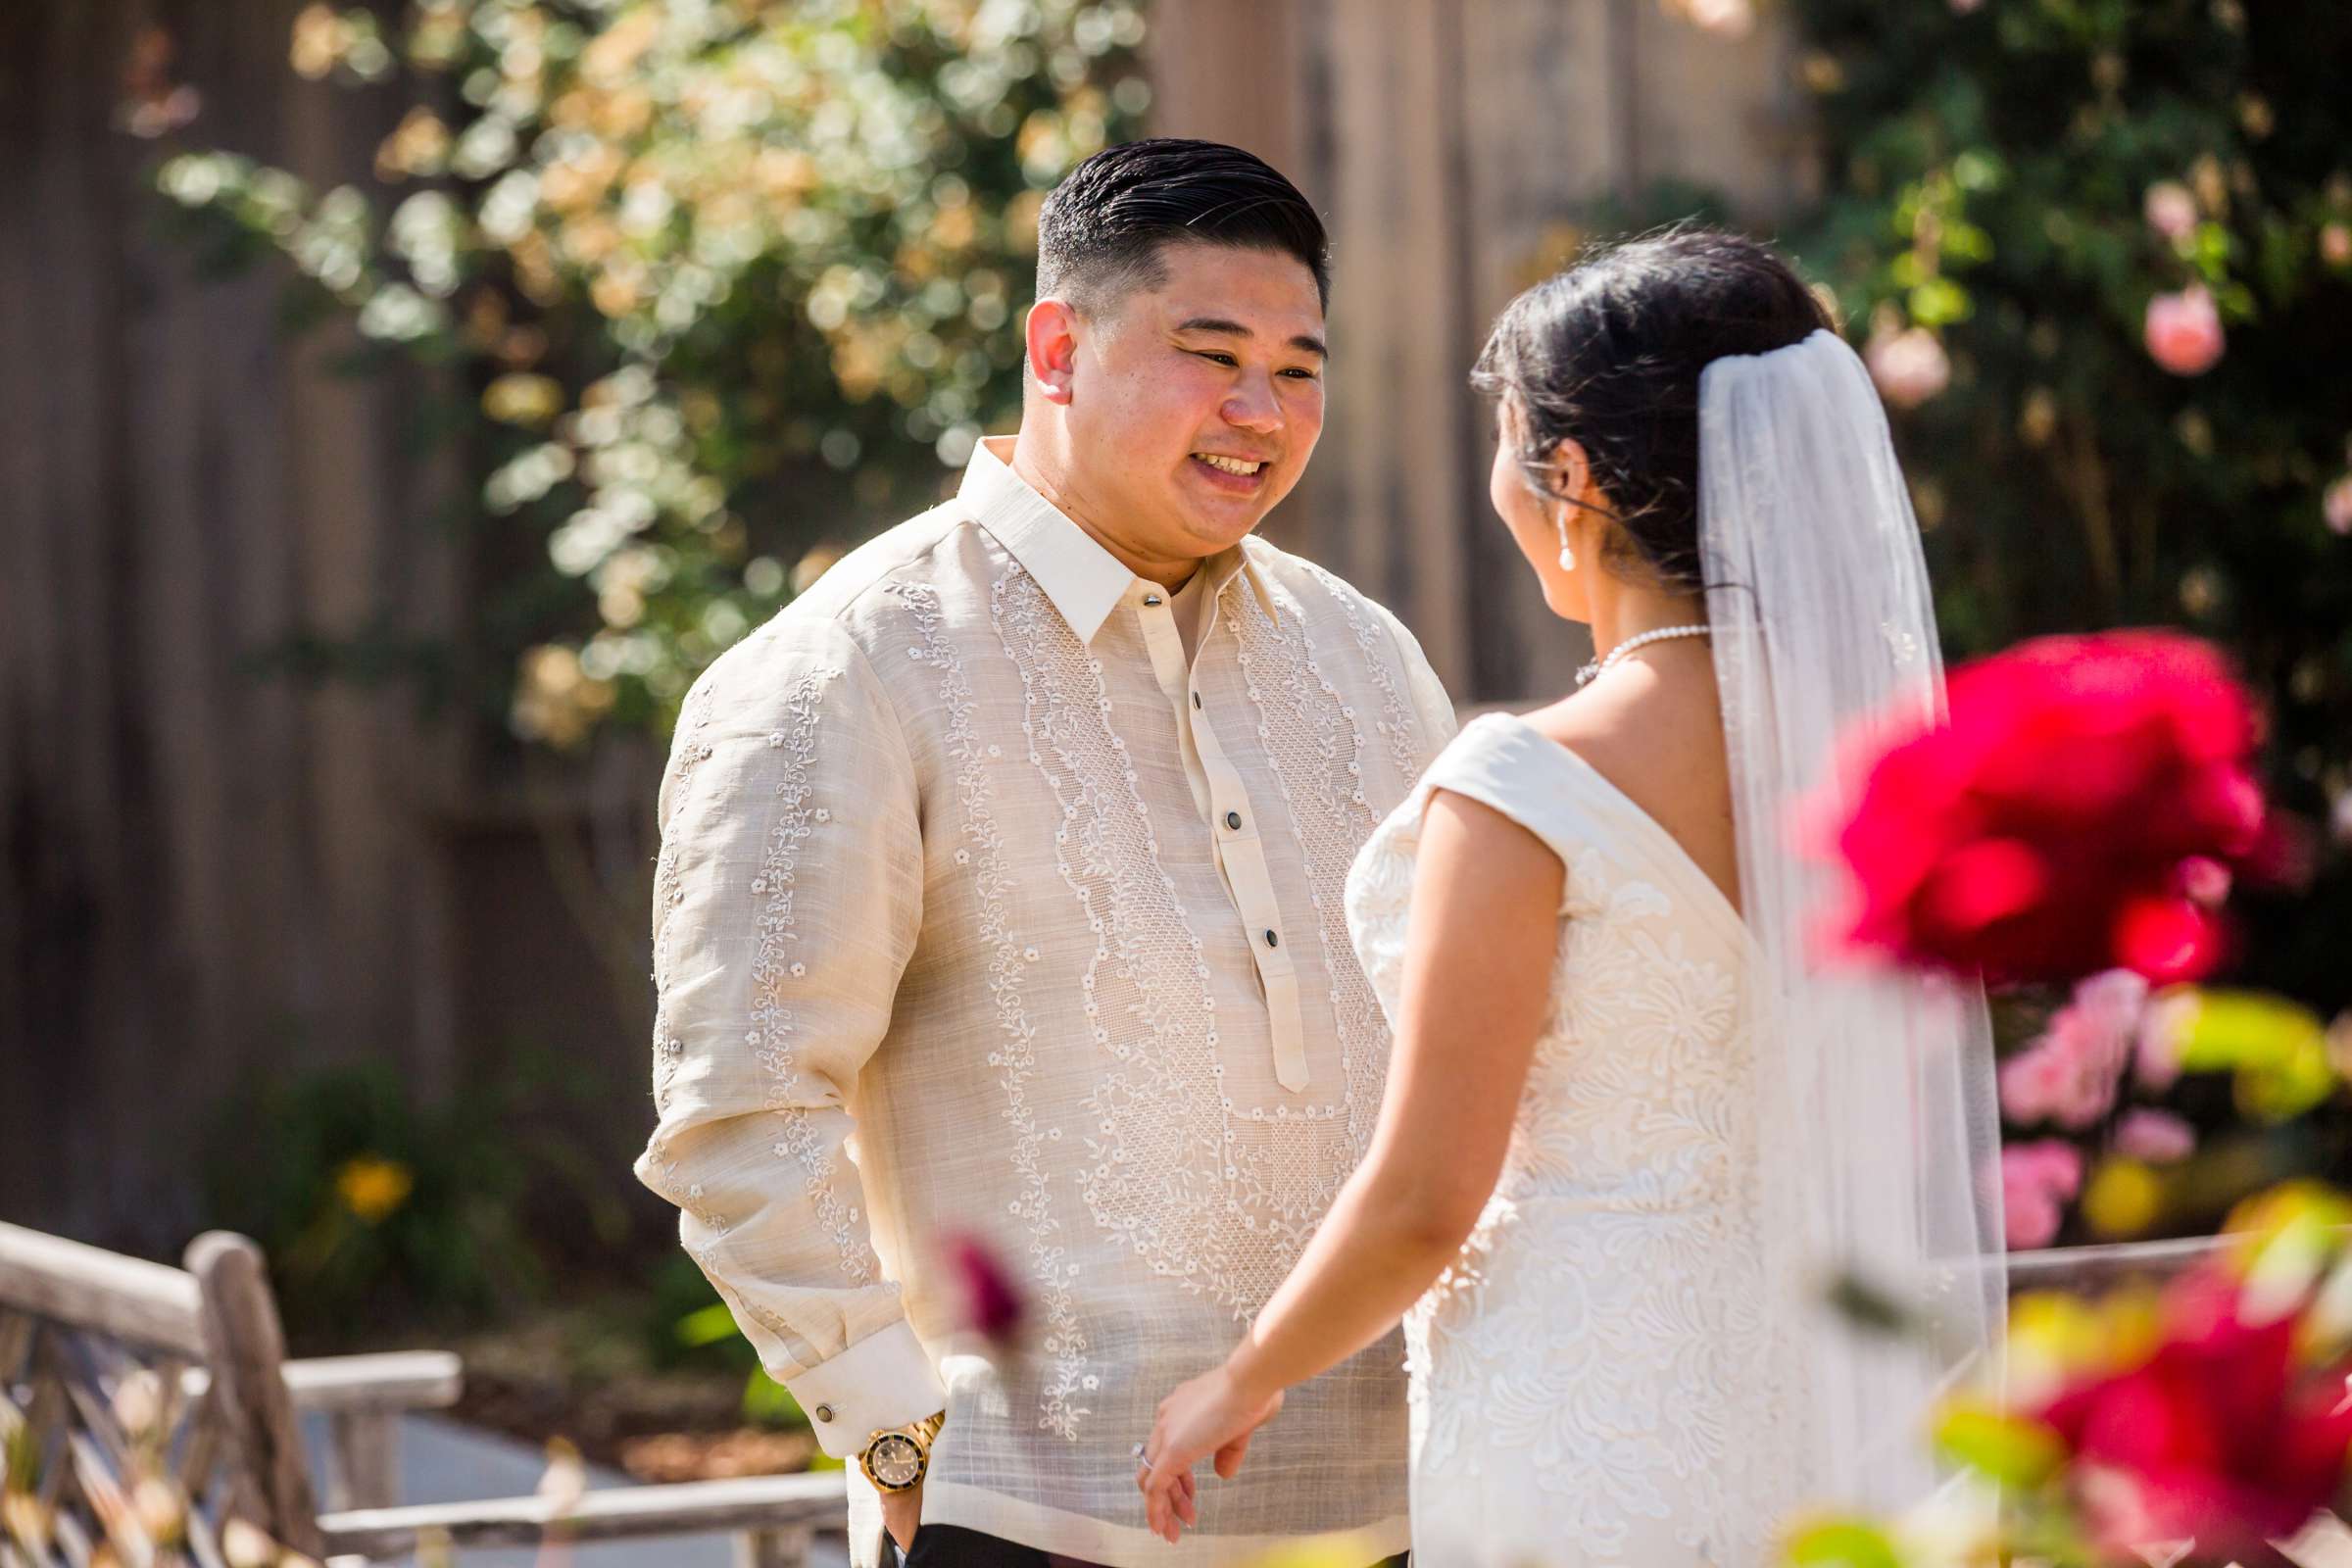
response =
{"points": [[902, 1513]]}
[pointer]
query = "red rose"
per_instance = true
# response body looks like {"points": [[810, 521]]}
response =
{"points": [[2069, 815], [2221, 1436]]}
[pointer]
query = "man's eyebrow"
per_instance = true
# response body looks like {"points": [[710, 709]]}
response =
{"points": [[1217, 323]]}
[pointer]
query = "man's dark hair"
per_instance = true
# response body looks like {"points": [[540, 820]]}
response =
{"points": [[1100, 234]]}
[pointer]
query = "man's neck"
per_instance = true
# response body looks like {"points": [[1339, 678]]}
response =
{"points": [[1049, 479]]}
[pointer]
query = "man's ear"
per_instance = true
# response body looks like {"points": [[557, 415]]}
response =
{"points": [[1053, 333]]}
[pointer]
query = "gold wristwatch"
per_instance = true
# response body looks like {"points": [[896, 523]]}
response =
{"points": [[896, 1457]]}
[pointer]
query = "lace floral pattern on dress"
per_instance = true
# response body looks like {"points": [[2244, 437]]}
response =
{"points": [[1595, 1353]]}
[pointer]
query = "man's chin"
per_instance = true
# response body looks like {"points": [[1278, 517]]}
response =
{"points": [[1220, 524], [1214, 536]]}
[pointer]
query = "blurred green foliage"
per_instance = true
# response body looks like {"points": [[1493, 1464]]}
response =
{"points": [[378, 1214], [719, 283]]}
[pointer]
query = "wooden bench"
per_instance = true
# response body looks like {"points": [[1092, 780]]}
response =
{"points": [[148, 1415]]}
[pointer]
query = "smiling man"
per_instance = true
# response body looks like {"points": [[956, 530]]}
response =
{"points": [[1001, 898]]}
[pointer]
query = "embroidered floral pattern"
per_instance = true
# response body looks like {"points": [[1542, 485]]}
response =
{"points": [[1310, 733], [1051, 1267], [772, 970], [1396, 725]]}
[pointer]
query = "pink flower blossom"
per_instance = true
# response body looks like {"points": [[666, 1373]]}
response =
{"points": [[2336, 244], [2169, 208], [1909, 366], [2156, 1136], [2037, 1181], [2205, 881], [2184, 330], [2336, 504], [1962, 8], [2070, 1074]]}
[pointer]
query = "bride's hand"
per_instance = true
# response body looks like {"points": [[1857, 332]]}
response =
{"points": [[1210, 1414]]}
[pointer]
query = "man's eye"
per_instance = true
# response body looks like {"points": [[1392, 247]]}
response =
{"points": [[1221, 359], [1302, 376]]}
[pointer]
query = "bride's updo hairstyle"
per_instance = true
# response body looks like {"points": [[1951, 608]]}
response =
{"points": [[1609, 354]]}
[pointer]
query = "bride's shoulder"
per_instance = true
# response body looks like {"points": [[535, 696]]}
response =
{"points": [[1658, 746], [1595, 727]]}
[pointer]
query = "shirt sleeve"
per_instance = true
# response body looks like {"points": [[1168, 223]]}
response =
{"points": [[787, 899], [1431, 706]]}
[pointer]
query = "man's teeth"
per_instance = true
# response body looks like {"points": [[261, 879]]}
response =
{"points": [[1229, 464]]}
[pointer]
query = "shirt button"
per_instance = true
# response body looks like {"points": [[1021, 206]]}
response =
{"points": [[1195, 699], [1273, 941], [1233, 820], [823, 1412], [1152, 598]]}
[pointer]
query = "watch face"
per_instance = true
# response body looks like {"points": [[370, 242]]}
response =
{"points": [[896, 1462]]}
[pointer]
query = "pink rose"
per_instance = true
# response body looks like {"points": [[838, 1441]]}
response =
{"points": [[2169, 208], [2336, 504], [2037, 1180], [2184, 330], [2157, 1137], [2070, 1074], [1909, 366]]}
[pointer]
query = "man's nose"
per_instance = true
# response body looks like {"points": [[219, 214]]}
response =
{"points": [[1252, 406]]}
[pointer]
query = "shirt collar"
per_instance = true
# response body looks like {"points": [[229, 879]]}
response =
{"points": [[1084, 581]]}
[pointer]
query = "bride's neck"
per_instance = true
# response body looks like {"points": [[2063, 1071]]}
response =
{"points": [[1623, 610]]}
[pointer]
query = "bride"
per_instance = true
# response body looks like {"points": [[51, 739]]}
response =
{"points": [[1632, 1132]]}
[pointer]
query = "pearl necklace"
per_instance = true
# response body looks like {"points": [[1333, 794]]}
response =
{"points": [[1600, 668]]}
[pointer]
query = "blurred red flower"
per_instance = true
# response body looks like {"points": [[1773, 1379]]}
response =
{"points": [[2070, 815], [994, 1306], [2221, 1436]]}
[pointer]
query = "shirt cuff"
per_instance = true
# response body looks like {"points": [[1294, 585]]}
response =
{"points": [[883, 1381]]}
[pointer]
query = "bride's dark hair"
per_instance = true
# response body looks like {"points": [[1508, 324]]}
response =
{"points": [[1609, 354]]}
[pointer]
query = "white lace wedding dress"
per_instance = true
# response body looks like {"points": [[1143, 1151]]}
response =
{"points": [[1595, 1377]]}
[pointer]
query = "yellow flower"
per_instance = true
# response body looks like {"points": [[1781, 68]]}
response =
{"points": [[2124, 1199], [525, 400], [372, 1187]]}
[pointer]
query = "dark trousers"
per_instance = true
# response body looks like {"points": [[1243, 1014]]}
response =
{"points": [[949, 1547]]}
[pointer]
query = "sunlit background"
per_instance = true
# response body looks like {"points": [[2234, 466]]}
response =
{"points": [[403, 403]]}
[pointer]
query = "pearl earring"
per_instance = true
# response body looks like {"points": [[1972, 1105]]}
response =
{"points": [[1567, 555]]}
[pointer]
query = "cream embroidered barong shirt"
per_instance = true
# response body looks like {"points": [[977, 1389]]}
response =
{"points": [[984, 907]]}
